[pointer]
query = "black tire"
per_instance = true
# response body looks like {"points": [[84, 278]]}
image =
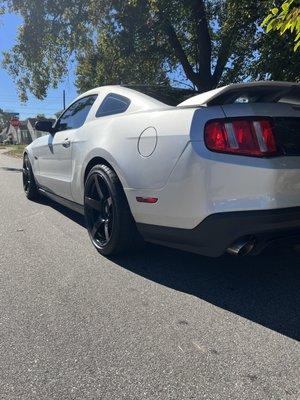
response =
{"points": [[29, 184], [109, 221]]}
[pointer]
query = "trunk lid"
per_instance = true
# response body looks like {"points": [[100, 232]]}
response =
{"points": [[253, 92], [277, 100]]}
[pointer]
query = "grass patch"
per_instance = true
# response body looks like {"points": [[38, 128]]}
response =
{"points": [[15, 150]]}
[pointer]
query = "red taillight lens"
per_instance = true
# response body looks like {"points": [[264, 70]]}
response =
{"points": [[268, 135], [251, 137], [216, 136]]}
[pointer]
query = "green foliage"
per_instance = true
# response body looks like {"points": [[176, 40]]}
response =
{"points": [[202, 43], [286, 18], [130, 54], [53, 31], [277, 59], [4, 119]]}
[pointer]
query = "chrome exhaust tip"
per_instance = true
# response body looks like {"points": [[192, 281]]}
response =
{"points": [[241, 247]]}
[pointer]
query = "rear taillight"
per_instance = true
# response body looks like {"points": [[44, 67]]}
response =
{"points": [[250, 137]]}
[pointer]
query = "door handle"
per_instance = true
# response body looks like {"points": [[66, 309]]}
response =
{"points": [[66, 143]]}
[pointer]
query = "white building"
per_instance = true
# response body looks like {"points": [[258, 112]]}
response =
{"points": [[22, 133]]}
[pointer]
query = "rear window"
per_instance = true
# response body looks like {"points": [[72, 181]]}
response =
{"points": [[166, 94], [113, 104]]}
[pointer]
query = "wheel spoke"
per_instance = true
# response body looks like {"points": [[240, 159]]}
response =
{"points": [[107, 208], [106, 231], [99, 210], [98, 188], [27, 164], [97, 226], [26, 175], [109, 201], [92, 203]]}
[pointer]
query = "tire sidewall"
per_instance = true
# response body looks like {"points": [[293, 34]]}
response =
{"points": [[32, 191], [115, 191]]}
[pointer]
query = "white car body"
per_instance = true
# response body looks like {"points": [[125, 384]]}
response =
{"points": [[159, 151]]}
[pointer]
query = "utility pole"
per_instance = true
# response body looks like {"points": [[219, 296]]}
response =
{"points": [[64, 99]]}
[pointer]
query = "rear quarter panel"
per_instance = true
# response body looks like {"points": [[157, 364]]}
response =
{"points": [[204, 182], [121, 140]]}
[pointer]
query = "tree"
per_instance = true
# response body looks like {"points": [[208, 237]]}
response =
{"points": [[277, 59], [203, 43], [40, 116], [5, 117], [195, 40], [120, 58], [286, 18], [52, 32]]}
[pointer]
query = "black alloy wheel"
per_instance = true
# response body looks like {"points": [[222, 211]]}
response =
{"points": [[108, 218], [29, 184], [99, 210], [26, 174]]}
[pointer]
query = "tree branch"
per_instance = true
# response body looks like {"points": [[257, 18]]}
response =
{"points": [[202, 79], [204, 39], [223, 56], [179, 52]]}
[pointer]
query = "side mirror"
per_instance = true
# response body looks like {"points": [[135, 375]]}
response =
{"points": [[45, 126]]}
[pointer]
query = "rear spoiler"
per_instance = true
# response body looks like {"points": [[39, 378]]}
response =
{"points": [[254, 92]]}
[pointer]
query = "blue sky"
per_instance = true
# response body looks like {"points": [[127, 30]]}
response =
{"points": [[8, 92]]}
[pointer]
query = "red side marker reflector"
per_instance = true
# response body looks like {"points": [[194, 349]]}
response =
{"points": [[150, 200]]}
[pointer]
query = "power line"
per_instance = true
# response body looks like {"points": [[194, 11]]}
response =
{"points": [[9, 100], [31, 98]]}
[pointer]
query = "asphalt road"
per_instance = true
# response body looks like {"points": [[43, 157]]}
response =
{"points": [[162, 324]]}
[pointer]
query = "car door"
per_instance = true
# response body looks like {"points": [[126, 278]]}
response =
{"points": [[55, 157]]}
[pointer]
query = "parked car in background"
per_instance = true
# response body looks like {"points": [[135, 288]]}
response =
{"points": [[209, 173]]}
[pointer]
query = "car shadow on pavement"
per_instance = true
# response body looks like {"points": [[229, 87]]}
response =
{"points": [[10, 169], [264, 289], [74, 216]]}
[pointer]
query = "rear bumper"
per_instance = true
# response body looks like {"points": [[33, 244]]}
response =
{"points": [[217, 232]]}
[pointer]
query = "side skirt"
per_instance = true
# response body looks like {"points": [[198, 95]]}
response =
{"points": [[64, 202]]}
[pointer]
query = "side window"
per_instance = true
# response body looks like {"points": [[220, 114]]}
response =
{"points": [[113, 104], [74, 117]]}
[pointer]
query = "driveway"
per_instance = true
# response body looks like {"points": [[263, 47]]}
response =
{"points": [[162, 324]]}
